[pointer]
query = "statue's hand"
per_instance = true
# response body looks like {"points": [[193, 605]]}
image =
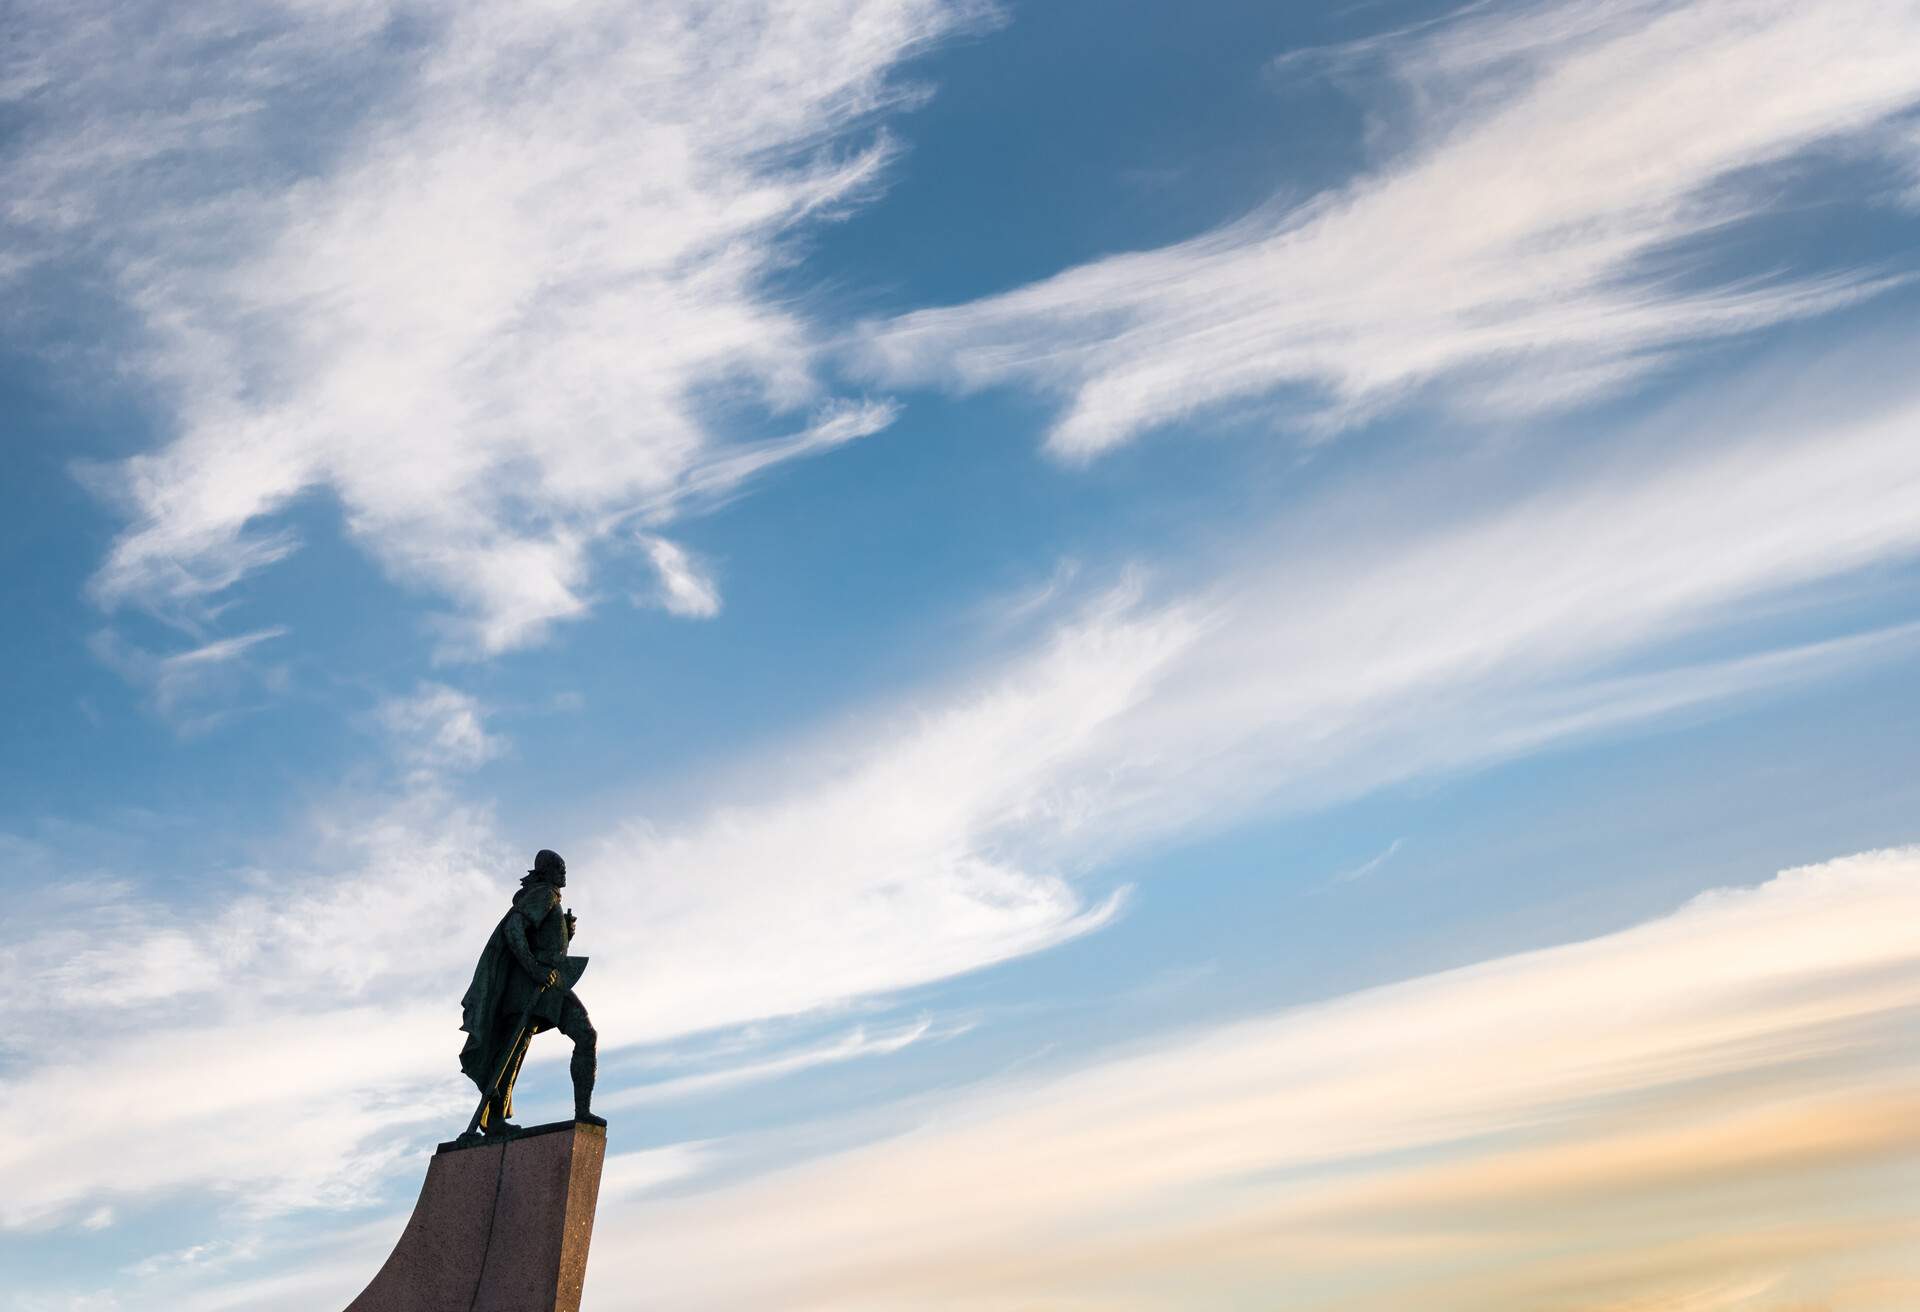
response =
{"points": [[572, 920], [553, 977]]}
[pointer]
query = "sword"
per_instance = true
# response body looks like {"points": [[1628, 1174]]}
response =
{"points": [[493, 1085]]}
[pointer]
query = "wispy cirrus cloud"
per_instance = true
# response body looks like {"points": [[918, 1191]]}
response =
{"points": [[322, 990], [196, 687], [482, 275], [1371, 865], [1527, 247], [942, 833], [1720, 1103], [852, 1046], [1480, 626]]}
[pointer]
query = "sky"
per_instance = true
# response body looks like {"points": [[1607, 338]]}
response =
{"points": [[1228, 656]]}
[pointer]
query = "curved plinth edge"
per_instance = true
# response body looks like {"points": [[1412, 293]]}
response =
{"points": [[498, 1227]]}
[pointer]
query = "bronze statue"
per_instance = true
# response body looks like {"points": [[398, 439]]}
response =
{"points": [[522, 985]]}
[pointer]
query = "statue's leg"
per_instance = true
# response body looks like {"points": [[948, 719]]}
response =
{"points": [[500, 1105], [575, 1025]]}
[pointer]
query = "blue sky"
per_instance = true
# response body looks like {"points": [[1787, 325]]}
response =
{"points": [[1214, 656]]}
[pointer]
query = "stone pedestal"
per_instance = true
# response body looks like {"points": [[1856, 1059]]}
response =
{"points": [[498, 1228]]}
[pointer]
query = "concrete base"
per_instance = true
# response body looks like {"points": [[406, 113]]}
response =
{"points": [[498, 1228]]}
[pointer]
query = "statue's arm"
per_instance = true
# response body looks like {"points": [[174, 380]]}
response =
{"points": [[516, 935]]}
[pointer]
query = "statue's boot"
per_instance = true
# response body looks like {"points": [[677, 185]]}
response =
{"points": [[582, 1069], [497, 1125]]}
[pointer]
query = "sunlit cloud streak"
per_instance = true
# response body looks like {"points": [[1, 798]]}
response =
{"points": [[1721, 1104], [1526, 247]]}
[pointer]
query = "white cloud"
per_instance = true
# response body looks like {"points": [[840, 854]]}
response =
{"points": [[1525, 248], [328, 997], [1909, 150], [211, 1255], [438, 728], [1468, 627], [1430, 1143], [941, 834], [179, 1041], [944, 831], [195, 687], [1370, 865], [850, 1047], [931, 837], [871, 862], [627, 1175], [685, 588], [492, 300]]}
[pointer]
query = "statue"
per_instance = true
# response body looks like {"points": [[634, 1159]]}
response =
{"points": [[522, 985]]}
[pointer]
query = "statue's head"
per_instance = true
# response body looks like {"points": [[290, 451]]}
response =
{"points": [[548, 868]]}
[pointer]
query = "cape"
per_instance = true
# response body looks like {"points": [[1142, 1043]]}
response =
{"points": [[498, 981]]}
